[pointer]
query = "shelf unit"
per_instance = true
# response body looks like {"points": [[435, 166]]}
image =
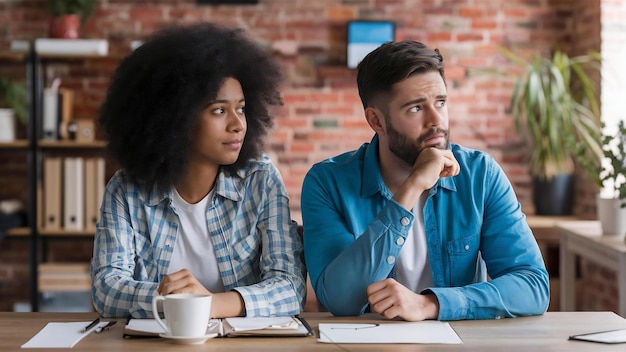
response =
{"points": [[47, 275], [29, 144]]}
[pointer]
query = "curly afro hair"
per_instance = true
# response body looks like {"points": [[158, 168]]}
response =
{"points": [[158, 91]]}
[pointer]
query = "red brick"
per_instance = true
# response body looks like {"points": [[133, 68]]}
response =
{"points": [[438, 37], [471, 12], [343, 13]]}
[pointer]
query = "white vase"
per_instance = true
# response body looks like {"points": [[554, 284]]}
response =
{"points": [[612, 216], [7, 125]]}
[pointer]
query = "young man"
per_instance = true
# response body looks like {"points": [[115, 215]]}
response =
{"points": [[410, 225], [196, 207]]}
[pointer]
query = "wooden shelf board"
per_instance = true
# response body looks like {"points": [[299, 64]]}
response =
{"points": [[64, 233], [18, 232], [43, 143], [49, 56], [12, 55], [17, 144], [539, 221], [544, 227]]}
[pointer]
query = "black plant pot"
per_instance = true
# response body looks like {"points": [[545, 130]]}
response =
{"points": [[554, 196]]}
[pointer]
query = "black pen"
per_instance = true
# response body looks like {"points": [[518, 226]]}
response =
{"points": [[92, 324], [106, 327]]}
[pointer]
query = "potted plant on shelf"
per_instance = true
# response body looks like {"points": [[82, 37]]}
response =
{"points": [[67, 16], [609, 174], [13, 100], [555, 109]]}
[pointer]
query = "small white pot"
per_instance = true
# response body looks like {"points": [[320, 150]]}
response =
{"points": [[612, 216], [7, 125]]}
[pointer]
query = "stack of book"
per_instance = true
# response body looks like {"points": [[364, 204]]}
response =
{"points": [[64, 277]]}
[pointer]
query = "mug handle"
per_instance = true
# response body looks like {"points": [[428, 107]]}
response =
{"points": [[155, 312]]}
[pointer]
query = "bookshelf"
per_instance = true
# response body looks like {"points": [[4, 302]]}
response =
{"points": [[53, 273], [25, 146]]}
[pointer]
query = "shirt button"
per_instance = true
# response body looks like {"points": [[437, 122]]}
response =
{"points": [[467, 247], [405, 221], [400, 241], [391, 259], [498, 317]]}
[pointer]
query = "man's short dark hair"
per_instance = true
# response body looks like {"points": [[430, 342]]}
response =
{"points": [[391, 63]]}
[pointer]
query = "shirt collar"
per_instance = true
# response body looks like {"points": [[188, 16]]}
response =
{"points": [[227, 185], [372, 178]]}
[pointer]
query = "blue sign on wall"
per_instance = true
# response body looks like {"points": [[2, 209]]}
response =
{"points": [[365, 36]]}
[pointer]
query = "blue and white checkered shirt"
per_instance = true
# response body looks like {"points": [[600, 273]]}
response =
{"points": [[258, 249]]}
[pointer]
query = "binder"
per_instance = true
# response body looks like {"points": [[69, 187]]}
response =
{"points": [[66, 98], [90, 195], [52, 193], [50, 123], [73, 211]]}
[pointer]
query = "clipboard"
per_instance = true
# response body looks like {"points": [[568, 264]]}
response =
{"points": [[608, 337]]}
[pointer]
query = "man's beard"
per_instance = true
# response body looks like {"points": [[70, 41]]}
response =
{"points": [[407, 149]]}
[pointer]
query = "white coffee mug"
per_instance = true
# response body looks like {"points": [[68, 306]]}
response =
{"points": [[186, 315]]}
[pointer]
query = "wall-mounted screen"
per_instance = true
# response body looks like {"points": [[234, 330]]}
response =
{"points": [[365, 36], [228, 2]]}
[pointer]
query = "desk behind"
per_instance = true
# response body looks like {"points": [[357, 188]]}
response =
{"points": [[548, 332]]}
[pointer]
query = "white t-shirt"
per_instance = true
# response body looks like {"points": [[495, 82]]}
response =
{"points": [[193, 249], [413, 267]]}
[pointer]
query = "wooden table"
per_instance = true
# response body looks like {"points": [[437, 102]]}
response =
{"points": [[548, 332], [584, 239]]}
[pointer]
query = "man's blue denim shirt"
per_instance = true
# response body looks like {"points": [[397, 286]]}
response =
{"points": [[474, 225]]}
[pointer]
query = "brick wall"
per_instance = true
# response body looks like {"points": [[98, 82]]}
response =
{"points": [[322, 115], [308, 38]]}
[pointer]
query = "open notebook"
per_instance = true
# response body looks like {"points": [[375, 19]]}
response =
{"points": [[230, 327]]}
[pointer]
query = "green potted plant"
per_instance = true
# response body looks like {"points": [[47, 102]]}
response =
{"points": [[609, 174], [13, 101], [555, 108], [67, 16]]}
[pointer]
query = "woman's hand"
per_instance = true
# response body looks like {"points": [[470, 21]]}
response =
{"points": [[181, 281]]}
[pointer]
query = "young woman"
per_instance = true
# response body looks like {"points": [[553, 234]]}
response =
{"points": [[196, 207]]}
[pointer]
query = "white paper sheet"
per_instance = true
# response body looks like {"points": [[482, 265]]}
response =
{"points": [[390, 332], [61, 335]]}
